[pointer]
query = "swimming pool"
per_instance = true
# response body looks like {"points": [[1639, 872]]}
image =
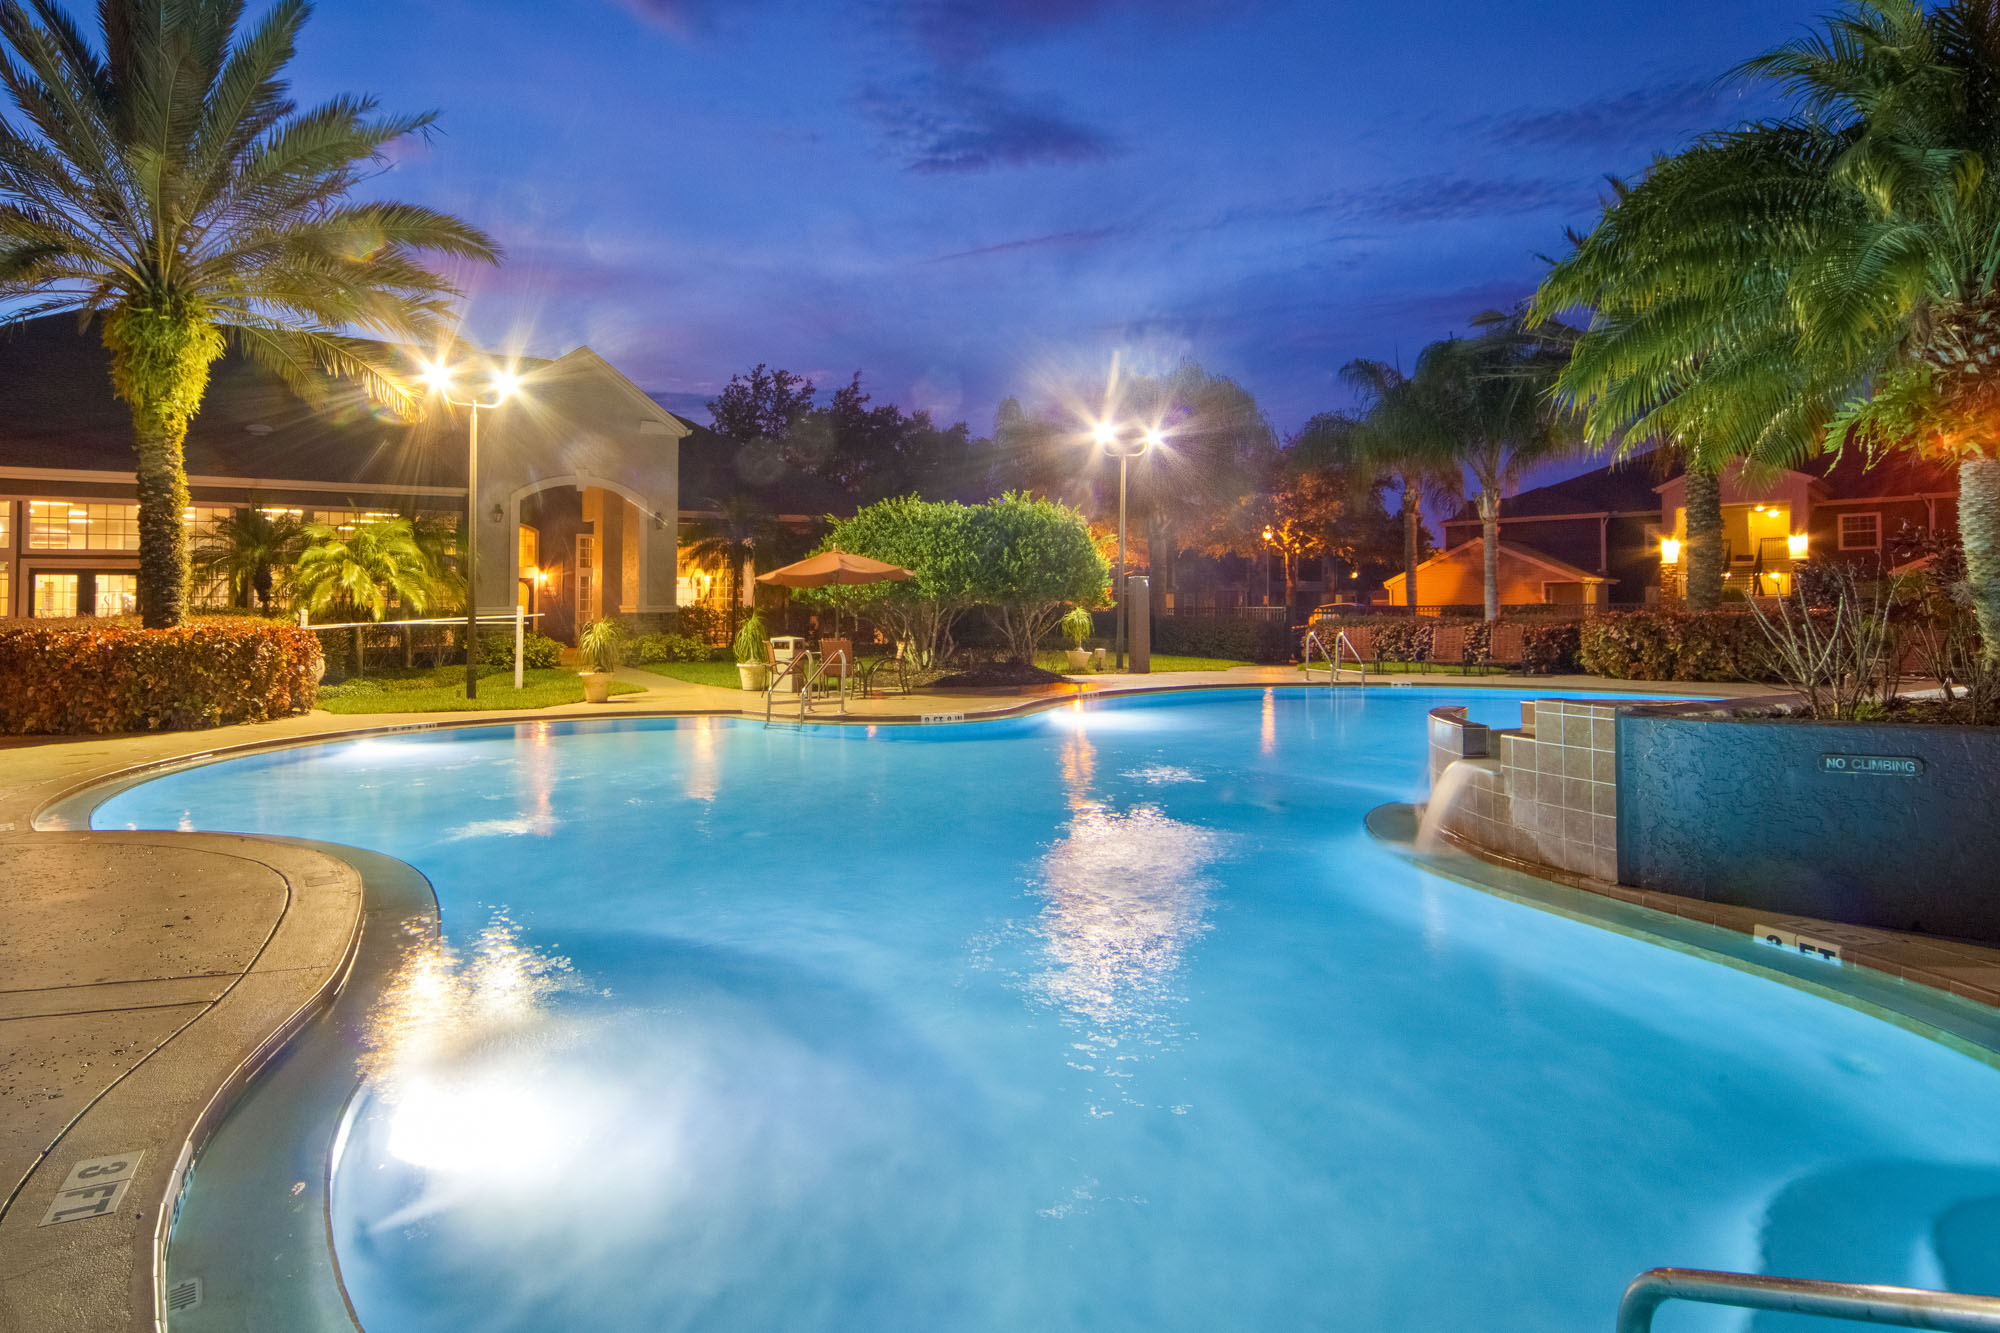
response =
{"points": [[1105, 1018]]}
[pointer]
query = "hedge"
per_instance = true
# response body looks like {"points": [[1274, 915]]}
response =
{"points": [[1239, 638], [1550, 650], [1673, 645], [72, 676]]}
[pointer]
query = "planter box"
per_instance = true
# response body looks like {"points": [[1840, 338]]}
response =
{"points": [[1889, 826]]}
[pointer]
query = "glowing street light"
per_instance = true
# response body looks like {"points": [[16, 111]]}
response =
{"points": [[1124, 443], [438, 376]]}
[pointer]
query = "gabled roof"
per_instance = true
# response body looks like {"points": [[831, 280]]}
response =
{"points": [[1562, 570], [1624, 487]]}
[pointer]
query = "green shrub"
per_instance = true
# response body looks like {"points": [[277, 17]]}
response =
{"points": [[704, 621], [1550, 650], [602, 643], [1672, 645], [1406, 639], [673, 648], [66, 677], [751, 639], [1238, 639], [496, 648]]}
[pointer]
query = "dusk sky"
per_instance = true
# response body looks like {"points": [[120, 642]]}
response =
{"points": [[966, 200]]}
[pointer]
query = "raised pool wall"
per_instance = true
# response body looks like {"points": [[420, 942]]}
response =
{"points": [[1896, 827]]}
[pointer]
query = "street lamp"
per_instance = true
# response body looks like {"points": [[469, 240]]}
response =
{"points": [[1123, 443], [438, 376]]}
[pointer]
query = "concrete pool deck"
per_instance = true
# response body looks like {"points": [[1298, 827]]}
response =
{"points": [[145, 976]]}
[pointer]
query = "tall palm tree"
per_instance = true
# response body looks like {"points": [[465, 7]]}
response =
{"points": [[163, 179], [1834, 271], [356, 575], [735, 531], [1412, 465], [245, 549], [1481, 405]]}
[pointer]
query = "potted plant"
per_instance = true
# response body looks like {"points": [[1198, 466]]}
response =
{"points": [[602, 644], [751, 668], [1076, 627]]}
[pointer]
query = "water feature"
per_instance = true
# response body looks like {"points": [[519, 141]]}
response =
{"points": [[1108, 1018]]}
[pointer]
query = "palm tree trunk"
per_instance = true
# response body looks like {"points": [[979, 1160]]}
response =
{"points": [[1979, 534], [1489, 532], [1703, 556], [1412, 516], [159, 366]]}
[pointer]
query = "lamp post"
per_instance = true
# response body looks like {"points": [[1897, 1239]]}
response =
{"points": [[1123, 444], [438, 377]]}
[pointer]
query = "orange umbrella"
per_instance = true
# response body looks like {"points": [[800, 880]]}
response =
{"points": [[834, 567]]}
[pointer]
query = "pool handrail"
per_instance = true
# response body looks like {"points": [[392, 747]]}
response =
{"points": [[1333, 658], [1902, 1307], [806, 682]]}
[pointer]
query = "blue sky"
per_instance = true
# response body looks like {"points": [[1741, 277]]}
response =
{"points": [[967, 199]]}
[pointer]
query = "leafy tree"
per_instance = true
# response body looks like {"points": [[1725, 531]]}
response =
{"points": [[1033, 558], [1479, 405], [736, 531], [763, 405], [873, 452], [1328, 489], [164, 179], [358, 574], [932, 539], [1829, 278], [245, 549]]}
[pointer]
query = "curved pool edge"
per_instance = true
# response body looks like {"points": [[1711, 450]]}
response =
{"points": [[1864, 983], [139, 1267]]}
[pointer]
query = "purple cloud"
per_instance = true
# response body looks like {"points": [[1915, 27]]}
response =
{"points": [[948, 125]]}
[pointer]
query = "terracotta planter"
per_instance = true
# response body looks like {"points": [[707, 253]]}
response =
{"points": [[754, 675], [597, 686]]}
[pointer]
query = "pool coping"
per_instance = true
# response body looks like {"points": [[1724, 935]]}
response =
{"points": [[68, 810]]}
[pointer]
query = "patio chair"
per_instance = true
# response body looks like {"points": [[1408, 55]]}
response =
{"points": [[897, 665], [1447, 648], [794, 670], [838, 655]]}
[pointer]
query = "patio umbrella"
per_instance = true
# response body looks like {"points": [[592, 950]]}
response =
{"points": [[835, 567]]}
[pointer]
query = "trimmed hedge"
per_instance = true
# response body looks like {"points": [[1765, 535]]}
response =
{"points": [[672, 648], [538, 651], [1550, 650], [72, 676], [1673, 645], [1240, 639]]}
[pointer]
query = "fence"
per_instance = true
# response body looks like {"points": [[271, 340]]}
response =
{"points": [[443, 643]]}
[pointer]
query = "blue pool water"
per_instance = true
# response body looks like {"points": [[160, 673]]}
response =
{"points": [[1103, 1019]]}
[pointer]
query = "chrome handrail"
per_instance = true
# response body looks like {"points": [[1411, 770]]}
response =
{"points": [[806, 684], [1333, 667], [1903, 1307]]}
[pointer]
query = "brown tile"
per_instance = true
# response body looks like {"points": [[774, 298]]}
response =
{"points": [[1576, 794], [1576, 762], [1577, 826], [1603, 766], [1604, 830], [1603, 798], [1576, 730], [1603, 733]]}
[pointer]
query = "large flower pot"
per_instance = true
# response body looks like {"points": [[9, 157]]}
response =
{"points": [[597, 686], [1079, 659], [754, 675]]}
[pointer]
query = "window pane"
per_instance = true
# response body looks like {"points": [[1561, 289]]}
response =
{"points": [[117, 595], [82, 525], [55, 596], [6, 589], [6, 527]]}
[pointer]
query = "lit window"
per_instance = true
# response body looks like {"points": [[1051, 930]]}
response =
{"points": [[6, 589], [1860, 532], [55, 596], [117, 595], [201, 520], [6, 527], [82, 525]]}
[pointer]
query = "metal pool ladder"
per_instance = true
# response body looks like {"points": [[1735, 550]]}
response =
{"points": [[1903, 1307], [1341, 644], [809, 684]]}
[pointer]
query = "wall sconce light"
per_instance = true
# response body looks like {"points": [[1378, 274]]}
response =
{"points": [[1796, 545], [1670, 551], [498, 513]]}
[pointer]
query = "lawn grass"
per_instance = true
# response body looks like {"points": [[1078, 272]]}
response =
{"points": [[721, 674], [442, 690]]}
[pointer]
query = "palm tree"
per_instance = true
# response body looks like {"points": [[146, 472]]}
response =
{"points": [[1834, 272], [1480, 405], [1407, 464], [356, 575], [245, 548], [735, 531], [164, 180]]}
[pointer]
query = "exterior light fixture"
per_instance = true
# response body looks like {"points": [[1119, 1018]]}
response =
{"points": [[1796, 545], [1670, 551], [436, 375], [1121, 444]]}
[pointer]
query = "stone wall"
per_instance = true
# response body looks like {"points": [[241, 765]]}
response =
{"points": [[1874, 825]]}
